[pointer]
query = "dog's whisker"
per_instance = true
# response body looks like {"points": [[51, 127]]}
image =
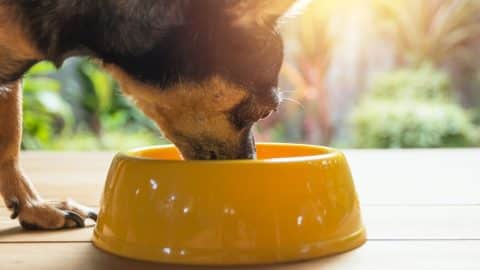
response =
{"points": [[287, 91], [291, 100]]}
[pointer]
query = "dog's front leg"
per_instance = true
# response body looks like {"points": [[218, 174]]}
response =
{"points": [[17, 191]]}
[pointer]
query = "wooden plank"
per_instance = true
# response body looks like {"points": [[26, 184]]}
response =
{"points": [[422, 222], [402, 177], [390, 255], [405, 194], [416, 176], [11, 232], [383, 223], [80, 176]]}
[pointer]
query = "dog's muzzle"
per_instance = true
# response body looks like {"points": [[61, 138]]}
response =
{"points": [[211, 149]]}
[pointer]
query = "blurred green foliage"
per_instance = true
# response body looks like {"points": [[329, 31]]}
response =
{"points": [[79, 107], [45, 113], [412, 108]]}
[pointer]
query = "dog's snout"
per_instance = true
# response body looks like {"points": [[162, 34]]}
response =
{"points": [[208, 149]]}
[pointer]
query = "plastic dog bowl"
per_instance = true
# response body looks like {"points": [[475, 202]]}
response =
{"points": [[296, 202]]}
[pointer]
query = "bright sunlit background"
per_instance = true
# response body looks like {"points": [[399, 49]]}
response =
{"points": [[366, 74]]}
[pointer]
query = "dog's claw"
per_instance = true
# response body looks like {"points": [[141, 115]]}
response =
{"points": [[75, 218], [93, 216], [50, 215], [15, 207]]}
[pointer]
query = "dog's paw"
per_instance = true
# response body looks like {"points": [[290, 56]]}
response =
{"points": [[50, 215]]}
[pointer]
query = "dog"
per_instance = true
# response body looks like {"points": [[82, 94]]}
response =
{"points": [[204, 70]]}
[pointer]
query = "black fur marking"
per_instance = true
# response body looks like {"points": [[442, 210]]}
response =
{"points": [[157, 42], [14, 205], [29, 226], [241, 116]]}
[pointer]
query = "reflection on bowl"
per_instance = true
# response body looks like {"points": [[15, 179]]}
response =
{"points": [[295, 202]]}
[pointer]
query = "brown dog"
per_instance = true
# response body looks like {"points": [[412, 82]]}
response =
{"points": [[205, 71]]}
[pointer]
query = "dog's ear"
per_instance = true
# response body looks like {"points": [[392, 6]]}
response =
{"points": [[263, 12]]}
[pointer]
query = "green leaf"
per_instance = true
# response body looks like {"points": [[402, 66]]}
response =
{"points": [[40, 84], [102, 83], [42, 68]]}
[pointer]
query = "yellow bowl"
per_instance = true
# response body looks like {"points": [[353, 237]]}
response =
{"points": [[295, 202]]}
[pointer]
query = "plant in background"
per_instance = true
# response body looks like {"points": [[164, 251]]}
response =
{"points": [[97, 101], [80, 107], [45, 114], [412, 108], [443, 32], [306, 72], [434, 31]]}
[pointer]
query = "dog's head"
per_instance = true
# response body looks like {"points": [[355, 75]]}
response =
{"points": [[212, 77]]}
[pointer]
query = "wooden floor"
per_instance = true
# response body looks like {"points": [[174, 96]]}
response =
{"points": [[421, 210]]}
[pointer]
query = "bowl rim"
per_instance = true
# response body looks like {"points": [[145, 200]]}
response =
{"points": [[330, 154]]}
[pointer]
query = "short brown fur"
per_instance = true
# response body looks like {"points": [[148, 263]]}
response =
{"points": [[15, 46], [187, 108]]}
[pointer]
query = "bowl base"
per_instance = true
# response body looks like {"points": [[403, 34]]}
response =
{"points": [[202, 257]]}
